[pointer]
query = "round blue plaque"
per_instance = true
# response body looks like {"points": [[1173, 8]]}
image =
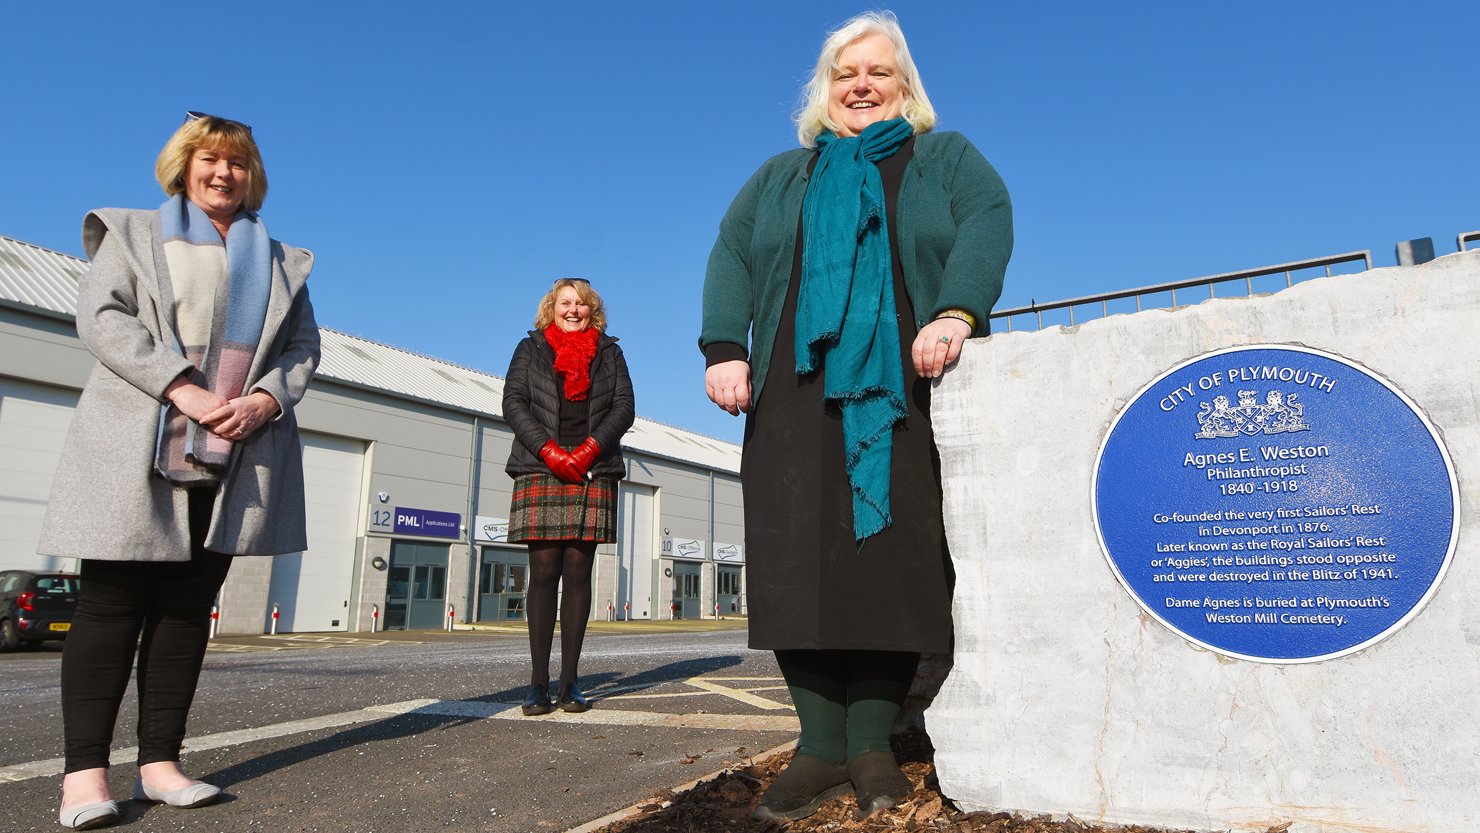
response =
{"points": [[1276, 503]]}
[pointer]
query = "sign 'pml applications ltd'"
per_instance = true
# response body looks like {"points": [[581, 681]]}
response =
{"points": [[1276, 503]]}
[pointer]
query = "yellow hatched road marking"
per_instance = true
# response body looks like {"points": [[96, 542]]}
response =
{"points": [[735, 693]]}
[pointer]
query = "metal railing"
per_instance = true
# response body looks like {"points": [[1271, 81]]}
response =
{"points": [[1467, 237], [1211, 282]]}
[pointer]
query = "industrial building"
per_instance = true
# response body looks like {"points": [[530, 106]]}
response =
{"points": [[407, 496]]}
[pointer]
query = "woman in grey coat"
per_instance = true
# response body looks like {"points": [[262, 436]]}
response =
{"points": [[183, 451]]}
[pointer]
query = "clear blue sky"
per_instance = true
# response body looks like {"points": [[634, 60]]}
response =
{"points": [[446, 161]]}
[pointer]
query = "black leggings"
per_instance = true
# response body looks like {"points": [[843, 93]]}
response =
{"points": [[551, 564], [169, 603]]}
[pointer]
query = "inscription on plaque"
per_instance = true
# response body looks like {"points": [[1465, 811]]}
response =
{"points": [[1276, 503]]}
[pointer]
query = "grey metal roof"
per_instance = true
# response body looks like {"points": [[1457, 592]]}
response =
{"points": [[31, 276], [38, 277], [370, 364]]}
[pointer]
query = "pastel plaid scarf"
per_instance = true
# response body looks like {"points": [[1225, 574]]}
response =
{"points": [[220, 295], [846, 312]]}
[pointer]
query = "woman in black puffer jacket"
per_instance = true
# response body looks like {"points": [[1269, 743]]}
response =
{"points": [[568, 399]]}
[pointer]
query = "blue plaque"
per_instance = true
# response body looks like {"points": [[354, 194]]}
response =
{"points": [[1276, 503], [428, 522]]}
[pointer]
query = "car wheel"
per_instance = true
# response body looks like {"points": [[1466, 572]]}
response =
{"points": [[10, 638]]}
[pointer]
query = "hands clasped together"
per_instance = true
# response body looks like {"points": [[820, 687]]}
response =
{"points": [[232, 419], [571, 466]]}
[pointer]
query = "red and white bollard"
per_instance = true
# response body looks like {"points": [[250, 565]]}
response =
{"points": [[611, 612], [374, 618], [275, 616], [215, 620], [716, 610], [673, 610], [626, 611], [451, 613]]}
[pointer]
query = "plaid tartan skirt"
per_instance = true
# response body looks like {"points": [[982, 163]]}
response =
{"points": [[546, 508]]}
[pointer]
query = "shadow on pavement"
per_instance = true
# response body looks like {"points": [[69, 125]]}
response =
{"points": [[593, 684], [416, 723], [392, 728]]}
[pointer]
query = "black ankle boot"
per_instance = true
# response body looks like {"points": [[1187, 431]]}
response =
{"points": [[802, 788], [570, 698], [537, 700], [878, 782]]}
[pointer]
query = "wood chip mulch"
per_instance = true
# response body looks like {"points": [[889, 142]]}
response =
{"points": [[724, 803]]}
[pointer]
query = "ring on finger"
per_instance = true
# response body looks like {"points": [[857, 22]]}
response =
{"points": [[944, 339]]}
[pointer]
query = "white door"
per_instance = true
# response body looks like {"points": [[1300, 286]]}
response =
{"points": [[637, 549], [33, 424], [312, 589]]}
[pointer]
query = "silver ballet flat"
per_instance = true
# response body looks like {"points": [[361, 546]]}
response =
{"points": [[90, 816], [198, 794]]}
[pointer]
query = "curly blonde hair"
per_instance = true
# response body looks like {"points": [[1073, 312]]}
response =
{"points": [[546, 311]]}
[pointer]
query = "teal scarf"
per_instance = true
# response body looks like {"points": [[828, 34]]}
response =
{"points": [[845, 309]]}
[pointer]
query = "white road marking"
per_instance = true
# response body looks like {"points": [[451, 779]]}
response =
{"points": [[340, 640], [306, 640], [54, 766], [471, 709]]}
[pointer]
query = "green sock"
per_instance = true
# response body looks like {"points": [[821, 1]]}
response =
{"points": [[819, 691], [877, 685]]}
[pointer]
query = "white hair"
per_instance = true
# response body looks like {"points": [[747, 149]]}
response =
{"points": [[812, 117]]}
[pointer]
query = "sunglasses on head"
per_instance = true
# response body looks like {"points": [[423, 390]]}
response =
{"points": [[196, 115], [572, 280]]}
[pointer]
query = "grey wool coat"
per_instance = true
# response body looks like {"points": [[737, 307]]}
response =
{"points": [[107, 501]]}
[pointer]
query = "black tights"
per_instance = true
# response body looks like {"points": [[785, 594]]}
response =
{"points": [[552, 563], [169, 603]]}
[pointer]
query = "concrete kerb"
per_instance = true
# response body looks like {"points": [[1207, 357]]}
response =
{"points": [[628, 812]]}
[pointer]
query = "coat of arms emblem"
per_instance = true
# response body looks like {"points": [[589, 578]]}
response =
{"points": [[1279, 413]]}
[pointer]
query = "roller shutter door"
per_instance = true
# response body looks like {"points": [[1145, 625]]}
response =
{"points": [[33, 425], [312, 589]]}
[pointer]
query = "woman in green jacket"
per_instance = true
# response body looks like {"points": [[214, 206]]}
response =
{"points": [[846, 277]]}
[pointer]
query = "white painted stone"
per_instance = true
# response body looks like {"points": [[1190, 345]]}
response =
{"points": [[1066, 698]]}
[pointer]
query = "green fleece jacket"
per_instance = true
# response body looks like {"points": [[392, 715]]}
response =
{"points": [[955, 236]]}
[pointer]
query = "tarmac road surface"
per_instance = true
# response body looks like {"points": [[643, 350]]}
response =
{"points": [[361, 733]]}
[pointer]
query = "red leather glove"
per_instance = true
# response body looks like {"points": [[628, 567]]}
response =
{"points": [[560, 462], [586, 454]]}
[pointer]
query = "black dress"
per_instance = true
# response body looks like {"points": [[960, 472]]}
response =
{"points": [[810, 584]]}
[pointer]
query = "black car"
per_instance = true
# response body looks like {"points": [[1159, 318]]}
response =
{"points": [[35, 606]]}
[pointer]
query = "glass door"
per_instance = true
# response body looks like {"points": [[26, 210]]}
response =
{"points": [[416, 593], [686, 590], [502, 585]]}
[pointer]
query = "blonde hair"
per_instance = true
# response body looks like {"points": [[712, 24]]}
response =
{"points": [[812, 117], [546, 312], [216, 133]]}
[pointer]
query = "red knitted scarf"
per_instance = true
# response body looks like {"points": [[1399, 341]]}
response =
{"points": [[573, 355]]}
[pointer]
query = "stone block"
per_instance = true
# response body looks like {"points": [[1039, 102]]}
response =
{"points": [[1067, 698]]}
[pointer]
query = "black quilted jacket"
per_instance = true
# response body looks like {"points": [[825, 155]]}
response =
{"points": [[532, 394]]}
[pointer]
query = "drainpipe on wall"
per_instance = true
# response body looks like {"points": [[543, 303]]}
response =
{"points": [[713, 562], [475, 601]]}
